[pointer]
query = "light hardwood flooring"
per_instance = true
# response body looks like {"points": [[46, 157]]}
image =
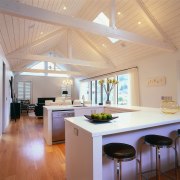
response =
{"points": [[25, 156]]}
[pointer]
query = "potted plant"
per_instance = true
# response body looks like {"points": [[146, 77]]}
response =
{"points": [[110, 85]]}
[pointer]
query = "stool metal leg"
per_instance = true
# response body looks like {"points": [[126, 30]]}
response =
{"points": [[119, 170], [158, 163], [116, 169], [139, 169], [119, 173], [177, 163], [140, 160]]}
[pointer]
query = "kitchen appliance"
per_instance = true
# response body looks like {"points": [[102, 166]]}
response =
{"points": [[58, 124]]}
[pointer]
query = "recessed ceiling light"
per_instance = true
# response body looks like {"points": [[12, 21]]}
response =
{"points": [[64, 8], [139, 22], [118, 13], [41, 33]]}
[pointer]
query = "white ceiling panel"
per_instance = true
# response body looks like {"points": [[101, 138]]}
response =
{"points": [[19, 34]]}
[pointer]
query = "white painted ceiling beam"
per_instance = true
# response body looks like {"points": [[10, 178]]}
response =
{"points": [[75, 68], [22, 10], [152, 21], [49, 71], [59, 60], [89, 42], [113, 14], [69, 43], [21, 66]]}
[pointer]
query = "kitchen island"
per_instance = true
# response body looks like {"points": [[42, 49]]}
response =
{"points": [[85, 140], [78, 111]]}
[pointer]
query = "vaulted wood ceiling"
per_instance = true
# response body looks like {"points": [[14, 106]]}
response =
{"points": [[65, 28]]}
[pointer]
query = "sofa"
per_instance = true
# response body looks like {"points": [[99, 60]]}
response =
{"points": [[39, 106]]}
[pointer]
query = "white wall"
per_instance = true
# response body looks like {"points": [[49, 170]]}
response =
{"points": [[43, 86], [165, 65], [168, 65], [8, 75]]}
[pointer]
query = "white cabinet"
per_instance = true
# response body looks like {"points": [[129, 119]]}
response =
{"points": [[88, 111]]}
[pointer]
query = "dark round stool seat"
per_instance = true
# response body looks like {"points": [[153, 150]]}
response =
{"points": [[157, 140], [120, 151]]}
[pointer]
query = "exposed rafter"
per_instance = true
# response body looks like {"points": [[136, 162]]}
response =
{"points": [[152, 21], [86, 39], [22, 10], [113, 14], [59, 60], [75, 68], [69, 43], [49, 71], [21, 66]]}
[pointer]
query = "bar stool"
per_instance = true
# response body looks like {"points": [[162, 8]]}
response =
{"points": [[158, 142], [120, 152]]}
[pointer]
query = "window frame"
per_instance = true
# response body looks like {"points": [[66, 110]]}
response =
{"points": [[24, 90], [114, 91]]}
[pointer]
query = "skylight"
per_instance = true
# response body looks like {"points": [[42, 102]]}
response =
{"points": [[104, 20]]}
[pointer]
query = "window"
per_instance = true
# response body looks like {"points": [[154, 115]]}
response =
{"points": [[99, 93], [123, 89], [93, 92], [24, 90], [121, 94], [85, 90]]}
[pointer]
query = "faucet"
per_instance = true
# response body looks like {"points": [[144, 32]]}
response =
{"points": [[83, 98]]}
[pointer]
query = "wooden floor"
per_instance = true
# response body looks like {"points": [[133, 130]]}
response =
{"points": [[25, 156]]}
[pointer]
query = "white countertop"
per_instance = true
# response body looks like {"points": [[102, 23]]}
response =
{"points": [[70, 107], [141, 118], [114, 106]]}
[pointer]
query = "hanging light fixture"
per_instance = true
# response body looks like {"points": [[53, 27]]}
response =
{"points": [[67, 82]]}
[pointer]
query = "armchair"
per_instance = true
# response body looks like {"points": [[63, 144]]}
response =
{"points": [[39, 106]]}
